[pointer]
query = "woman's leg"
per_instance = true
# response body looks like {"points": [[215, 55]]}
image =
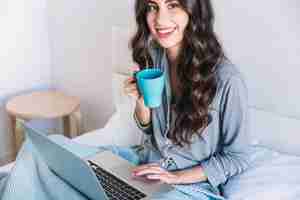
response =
{"points": [[172, 195]]}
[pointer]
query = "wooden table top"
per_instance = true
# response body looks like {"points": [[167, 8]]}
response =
{"points": [[42, 105]]}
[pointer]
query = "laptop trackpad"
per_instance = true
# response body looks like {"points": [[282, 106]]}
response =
{"points": [[108, 160], [122, 169]]}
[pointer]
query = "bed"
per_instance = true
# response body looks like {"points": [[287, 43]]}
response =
{"points": [[276, 174]]}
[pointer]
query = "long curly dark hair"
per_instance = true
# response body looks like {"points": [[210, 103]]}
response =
{"points": [[197, 61]]}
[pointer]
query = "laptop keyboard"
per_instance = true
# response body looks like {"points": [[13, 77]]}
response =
{"points": [[115, 188]]}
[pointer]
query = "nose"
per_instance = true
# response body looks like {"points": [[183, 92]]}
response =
{"points": [[162, 17]]}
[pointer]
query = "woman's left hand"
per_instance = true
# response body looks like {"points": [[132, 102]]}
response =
{"points": [[154, 171]]}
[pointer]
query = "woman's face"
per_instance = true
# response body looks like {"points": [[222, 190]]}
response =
{"points": [[167, 21]]}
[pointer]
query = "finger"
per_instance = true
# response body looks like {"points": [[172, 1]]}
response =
{"points": [[135, 68], [139, 169], [145, 166], [151, 170], [129, 80], [130, 85], [155, 176], [147, 172], [132, 92], [130, 88], [134, 96]]}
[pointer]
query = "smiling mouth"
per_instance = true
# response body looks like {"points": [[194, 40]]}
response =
{"points": [[165, 32]]}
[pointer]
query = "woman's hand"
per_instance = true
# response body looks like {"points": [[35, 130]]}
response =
{"points": [[130, 88], [155, 172]]}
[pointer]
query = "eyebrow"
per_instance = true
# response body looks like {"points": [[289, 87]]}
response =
{"points": [[150, 1], [166, 1]]}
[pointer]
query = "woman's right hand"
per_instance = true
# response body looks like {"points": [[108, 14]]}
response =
{"points": [[143, 113]]}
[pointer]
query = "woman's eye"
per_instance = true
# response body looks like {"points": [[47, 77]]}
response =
{"points": [[173, 5], [151, 8]]}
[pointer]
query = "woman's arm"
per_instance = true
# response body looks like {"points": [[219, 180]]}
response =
{"points": [[192, 175], [144, 125], [142, 114], [234, 154]]}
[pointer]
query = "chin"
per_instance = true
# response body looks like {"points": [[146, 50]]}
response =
{"points": [[167, 45]]}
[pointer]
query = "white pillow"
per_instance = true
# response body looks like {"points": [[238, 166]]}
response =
{"points": [[120, 129], [127, 133]]}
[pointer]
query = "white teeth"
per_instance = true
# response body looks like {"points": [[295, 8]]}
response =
{"points": [[165, 31]]}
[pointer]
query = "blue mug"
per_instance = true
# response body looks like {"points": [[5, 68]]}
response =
{"points": [[151, 82]]}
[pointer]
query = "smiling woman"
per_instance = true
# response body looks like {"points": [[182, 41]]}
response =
{"points": [[185, 30], [202, 124]]}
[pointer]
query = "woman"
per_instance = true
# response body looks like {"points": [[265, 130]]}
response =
{"points": [[198, 138]]}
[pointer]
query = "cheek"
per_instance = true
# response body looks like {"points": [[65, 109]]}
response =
{"points": [[150, 23], [183, 21]]}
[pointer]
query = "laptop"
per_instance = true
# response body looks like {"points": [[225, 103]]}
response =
{"points": [[103, 176]]}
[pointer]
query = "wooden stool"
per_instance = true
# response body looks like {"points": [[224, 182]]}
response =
{"points": [[44, 105]]}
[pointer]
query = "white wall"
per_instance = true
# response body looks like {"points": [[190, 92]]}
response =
{"points": [[261, 37], [24, 55], [263, 40], [81, 46]]}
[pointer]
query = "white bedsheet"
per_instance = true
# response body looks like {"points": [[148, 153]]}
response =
{"points": [[275, 176]]}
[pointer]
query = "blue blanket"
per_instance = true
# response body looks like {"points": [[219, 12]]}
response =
{"points": [[31, 179]]}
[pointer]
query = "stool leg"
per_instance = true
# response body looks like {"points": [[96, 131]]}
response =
{"points": [[13, 122], [67, 126], [20, 132], [77, 119]]}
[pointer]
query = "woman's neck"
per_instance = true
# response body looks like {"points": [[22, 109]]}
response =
{"points": [[172, 54]]}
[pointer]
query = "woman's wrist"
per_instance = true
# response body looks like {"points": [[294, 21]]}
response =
{"points": [[143, 115], [188, 176], [142, 125]]}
